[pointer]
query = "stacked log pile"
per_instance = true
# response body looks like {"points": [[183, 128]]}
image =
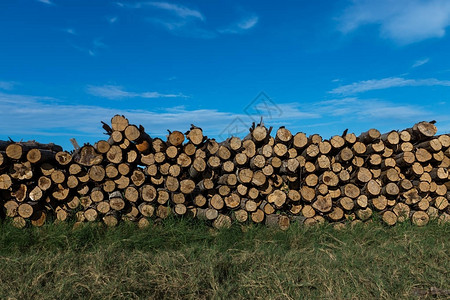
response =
{"points": [[399, 176]]}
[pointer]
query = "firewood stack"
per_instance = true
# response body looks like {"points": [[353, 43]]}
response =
{"points": [[274, 180]]}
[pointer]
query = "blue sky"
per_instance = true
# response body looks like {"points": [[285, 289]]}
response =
{"points": [[313, 66]]}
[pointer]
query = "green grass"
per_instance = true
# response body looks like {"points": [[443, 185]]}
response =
{"points": [[185, 259]]}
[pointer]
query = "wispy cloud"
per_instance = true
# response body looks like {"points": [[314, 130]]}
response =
{"points": [[241, 26], [48, 2], [112, 20], [420, 62], [179, 10], [177, 19], [7, 85], [70, 31], [26, 116], [175, 9], [404, 21], [369, 109], [385, 83], [184, 28], [92, 49], [115, 92]]}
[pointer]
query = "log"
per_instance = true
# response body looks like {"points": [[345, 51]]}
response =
{"points": [[96, 173], [391, 138], [322, 204], [347, 203], [329, 178], [175, 138], [277, 198], [39, 156], [420, 218], [39, 218], [300, 140], [63, 158], [195, 135], [369, 136], [44, 183], [21, 171], [222, 221], [138, 177], [102, 146], [17, 150], [405, 136], [26, 209], [350, 190], [111, 219], [180, 209], [240, 215], [258, 134], [119, 123], [148, 193], [402, 211], [114, 155], [307, 193], [311, 152], [75, 169], [359, 148], [389, 218], [423, 155], [257, 216], [5, 181], [336, 214], [116, 201], [116, 137], [337, 142], [422, 130], [350, 138], [20, 193], [35, 194], [371, 188], [207, 214], [232, 201], [375, 147], [308, 211], [163, 196], [364, 214], [283, 135], [87, 156], [325, 147]]}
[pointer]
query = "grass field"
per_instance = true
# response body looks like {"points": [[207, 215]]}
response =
{"points": [[183, 259]]}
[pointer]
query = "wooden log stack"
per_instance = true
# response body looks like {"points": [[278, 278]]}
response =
{"points": [[261, 178]]}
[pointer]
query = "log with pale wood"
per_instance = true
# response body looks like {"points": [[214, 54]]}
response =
{"points": [[274, 180]]}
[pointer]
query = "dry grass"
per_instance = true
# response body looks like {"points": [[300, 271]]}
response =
{"points": [[186, 260]]}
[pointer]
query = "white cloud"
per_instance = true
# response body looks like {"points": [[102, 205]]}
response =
{"points": [[48, 2], [7, 85], [369, 109], [184, 28], [44, 118], [378, 84], [180, 20], [70, 31], [241, 26], [176, 9], [92, 49], [420, 62], [112, 20], [25, 115], [179, 10], [188, 22], [404, 21], [114, 92]]}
